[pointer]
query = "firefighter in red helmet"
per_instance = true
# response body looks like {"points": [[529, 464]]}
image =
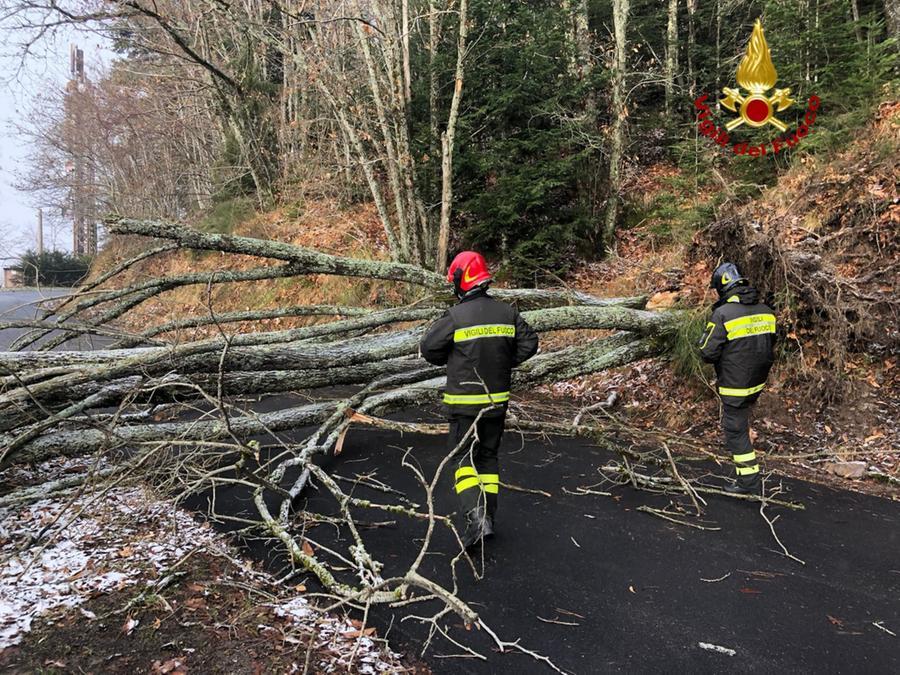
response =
{"points": [[480, 340]]}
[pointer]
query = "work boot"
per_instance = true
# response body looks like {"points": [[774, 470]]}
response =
{"points": [[478, 527], [491, 512], [739, 487]]}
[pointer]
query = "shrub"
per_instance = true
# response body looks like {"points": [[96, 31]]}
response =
{"points": [[53, 268]]}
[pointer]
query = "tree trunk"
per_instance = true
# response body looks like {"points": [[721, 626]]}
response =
{"points": [[434, 139], [404, 37], [691, 48], [448, 140], [671, 56], [617, 127], [308, 260], [892, 17], [718, 46]]}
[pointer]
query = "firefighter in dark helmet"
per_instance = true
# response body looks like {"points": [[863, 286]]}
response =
{"points": [[480, 340], [739, 341]]}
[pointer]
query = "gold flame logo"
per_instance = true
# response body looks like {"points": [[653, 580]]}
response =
{"points": [[756, 73]]}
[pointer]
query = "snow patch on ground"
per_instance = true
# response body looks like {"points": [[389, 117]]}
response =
{"points": [[124, 537], [56, 555], [344, 640]]}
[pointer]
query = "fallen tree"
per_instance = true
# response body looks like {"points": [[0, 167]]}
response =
{"points": [[186, 411]]}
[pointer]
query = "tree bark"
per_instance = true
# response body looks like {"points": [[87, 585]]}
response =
{"points": [[892, 18], [618, 113], [240, 317], [671, 54], [691, 48], [432, 194], [448, 140], [84, 441]]}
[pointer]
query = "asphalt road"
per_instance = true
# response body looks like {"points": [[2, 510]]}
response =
{"points": [[22, 303], [641, 594], [600, 587]]}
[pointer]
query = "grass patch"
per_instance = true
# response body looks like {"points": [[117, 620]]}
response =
{"points": [[673, 221], [294, 210], [226, 215]]}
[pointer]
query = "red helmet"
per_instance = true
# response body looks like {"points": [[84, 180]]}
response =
{"points": [[471, 270]]}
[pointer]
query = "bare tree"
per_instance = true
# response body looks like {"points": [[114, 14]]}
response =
{"points": [[618, 112], [448, 139], [671, 53]]}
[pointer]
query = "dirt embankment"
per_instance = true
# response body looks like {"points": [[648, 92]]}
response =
{"points": [[824, 245]]}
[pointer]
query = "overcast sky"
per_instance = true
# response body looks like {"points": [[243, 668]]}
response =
{"points": [[21, 79]]}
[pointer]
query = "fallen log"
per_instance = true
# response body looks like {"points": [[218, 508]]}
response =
{"points": [[304, 260], [611, 352], [87, 440], [104, 402], [284, 350]]}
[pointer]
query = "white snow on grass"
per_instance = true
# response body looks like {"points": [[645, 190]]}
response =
{"points": [[51, 560], [124, 537], [340, 638]]}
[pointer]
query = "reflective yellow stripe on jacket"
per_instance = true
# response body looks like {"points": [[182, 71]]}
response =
{"points": [[710, 327], [747, 326], [487, 330], [476, 399], [730, 391]]}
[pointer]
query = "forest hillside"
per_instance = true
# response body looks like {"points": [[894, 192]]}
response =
{"points": [[823, 240], [270, 429], [617, 148]]}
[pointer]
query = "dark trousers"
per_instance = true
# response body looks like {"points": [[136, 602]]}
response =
{"points": [[736, 425], [477, 478]]}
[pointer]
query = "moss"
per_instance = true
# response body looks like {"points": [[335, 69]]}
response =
{"points": [[294, 210]]}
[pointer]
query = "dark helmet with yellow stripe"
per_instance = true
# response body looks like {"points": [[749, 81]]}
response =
{"points": [[726, 277]]}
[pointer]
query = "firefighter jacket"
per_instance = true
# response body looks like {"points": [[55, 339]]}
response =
{"points": [[739, 340], [480, 340]]}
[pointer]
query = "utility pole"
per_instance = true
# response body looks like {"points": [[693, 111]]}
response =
{"points": [[84, 226], [40, 232]]}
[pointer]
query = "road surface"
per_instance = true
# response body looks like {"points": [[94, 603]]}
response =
{"points": [[22, 303], [601, 587]]}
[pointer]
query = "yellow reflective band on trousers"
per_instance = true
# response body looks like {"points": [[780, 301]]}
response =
{"points": [[747, 457], [487, 330], [747, 470], [467, 483], [476, 399], [729, 391], [748, 326], [467, 477]]}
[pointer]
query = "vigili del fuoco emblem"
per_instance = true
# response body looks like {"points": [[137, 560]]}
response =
{"points": [[757, 75]]}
